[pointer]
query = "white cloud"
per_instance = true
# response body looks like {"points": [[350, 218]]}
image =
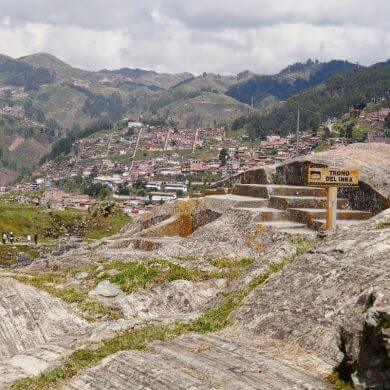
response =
{"points": [[224, 36]]}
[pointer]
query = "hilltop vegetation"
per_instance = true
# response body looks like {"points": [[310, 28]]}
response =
{"points": [[21, 74], [331, 99], [290, 81]]}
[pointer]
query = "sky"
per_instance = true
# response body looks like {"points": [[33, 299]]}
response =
{"points": [[220, 36]]}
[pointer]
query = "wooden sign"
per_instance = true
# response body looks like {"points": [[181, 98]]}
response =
{"points": [[334, 177]]}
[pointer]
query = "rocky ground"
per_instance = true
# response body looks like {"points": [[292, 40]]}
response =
{"points": [[199, 295]]}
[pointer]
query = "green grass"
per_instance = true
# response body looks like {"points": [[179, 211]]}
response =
{"points": [[134, 276], [320, 148], [107, 226], [89, 307], [337, 382], [23, 219], [9, 253], [382, 225]]}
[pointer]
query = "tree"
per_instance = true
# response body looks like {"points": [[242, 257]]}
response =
{"points": [[349, 129], [28, 108], [40, 116], [98, 190], [223, 155], [386, 132], [122, 189], [387, 121], [313, 125]]}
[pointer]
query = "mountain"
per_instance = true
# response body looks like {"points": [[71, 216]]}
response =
{"points": [[42, 98], [150, 78], [59, 68], [20, 74], [289, 81], [331, 99]]}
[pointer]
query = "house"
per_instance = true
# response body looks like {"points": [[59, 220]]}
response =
{"points": [[162, 196], [153, 186], [135, 124], [177, 187]]}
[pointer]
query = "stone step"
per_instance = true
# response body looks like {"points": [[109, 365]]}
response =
{"points": [[304, 231], [306, 215], [290, 227], [284, 190], [267, 190], [253, 190], [319, 224], [284, 224], [262, 214], [150, 243], [215, 191], [285, 202], [241, 201]]}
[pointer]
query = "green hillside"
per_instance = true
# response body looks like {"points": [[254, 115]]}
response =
{"points": [[290, 81], [331, 99], [60, 69]]}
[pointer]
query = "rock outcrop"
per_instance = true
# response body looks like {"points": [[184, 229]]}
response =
{"points": [[198, 362], [298, 314], [325, 301]]}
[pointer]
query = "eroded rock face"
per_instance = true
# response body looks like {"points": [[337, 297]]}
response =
{"points": [[208, 362], [36, 330], [170, 300], [30, 317], [322, 300], [371, 360]]}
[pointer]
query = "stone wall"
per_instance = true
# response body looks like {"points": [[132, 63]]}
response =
{"points": [[263, 175], [363, 197]]}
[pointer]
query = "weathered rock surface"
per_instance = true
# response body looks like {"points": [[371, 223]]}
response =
{"points": [[198, 362], [321, 300], [105, 289], [30, 317], [329, 308], [36, 330], [170, 300]]}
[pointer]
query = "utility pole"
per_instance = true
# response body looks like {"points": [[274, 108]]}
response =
{"points": [[298, 131], [195, 140], [135, 150]]}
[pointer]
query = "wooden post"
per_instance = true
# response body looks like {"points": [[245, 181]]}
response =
{"points": [[331, 208]]}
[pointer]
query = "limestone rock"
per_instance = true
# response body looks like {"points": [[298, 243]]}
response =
{"points": [[172, 299], [106, 289], [197, 362]]}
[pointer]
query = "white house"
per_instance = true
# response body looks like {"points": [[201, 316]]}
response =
{"points": [[135, 124], [153, 186], [178, 187], [162, 196]]}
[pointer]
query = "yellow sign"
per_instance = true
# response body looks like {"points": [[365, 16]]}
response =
{"points": [[335, 177]]}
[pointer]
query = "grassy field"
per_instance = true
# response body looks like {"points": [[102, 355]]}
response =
{"points": [[23, 220]]}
